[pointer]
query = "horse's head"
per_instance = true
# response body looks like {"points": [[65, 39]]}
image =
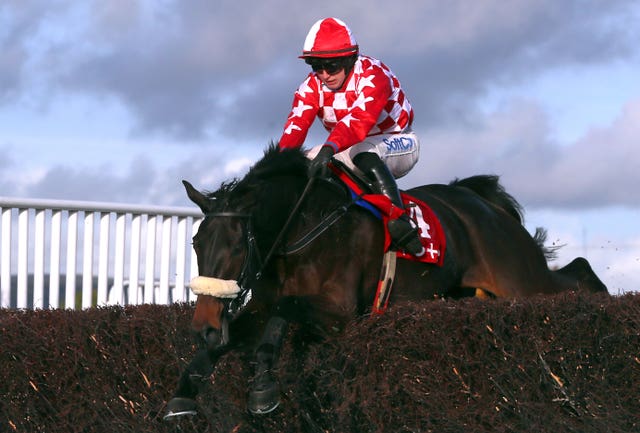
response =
{"points": [[221, 249], [226, 243]]}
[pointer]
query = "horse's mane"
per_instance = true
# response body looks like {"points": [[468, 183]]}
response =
{"points": [[290, 162], [488, 187], [278, 162]]}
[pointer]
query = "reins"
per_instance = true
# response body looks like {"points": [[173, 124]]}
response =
{"points": [[284, 228], [318, 230], [253, 255]]}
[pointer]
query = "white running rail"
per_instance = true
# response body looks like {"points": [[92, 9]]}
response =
{"points": [[70, 254]]}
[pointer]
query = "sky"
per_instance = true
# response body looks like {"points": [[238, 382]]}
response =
{"points": [[120, 100]]}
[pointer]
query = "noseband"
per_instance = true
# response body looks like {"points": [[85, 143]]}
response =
{"points": [[252, 259]]}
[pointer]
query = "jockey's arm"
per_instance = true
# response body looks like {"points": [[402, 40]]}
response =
{"points": [[303, 112]]}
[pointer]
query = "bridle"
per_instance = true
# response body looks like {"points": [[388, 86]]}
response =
{"points": [[253, 265], [252, 259]]}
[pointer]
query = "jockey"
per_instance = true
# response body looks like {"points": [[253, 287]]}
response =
{"points": [[363, 107]]}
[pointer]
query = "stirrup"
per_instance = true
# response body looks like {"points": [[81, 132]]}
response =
{"points": [[405, 236]]}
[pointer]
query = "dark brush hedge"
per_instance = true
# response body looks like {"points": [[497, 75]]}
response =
{"points": [[567, 363]]}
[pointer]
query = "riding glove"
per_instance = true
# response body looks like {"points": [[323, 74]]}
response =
{"points": [[318, 166]]}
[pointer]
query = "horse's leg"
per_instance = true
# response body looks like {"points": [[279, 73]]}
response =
{"points": [[264, 394], [198, 371], [579, 275], [203, 363]]}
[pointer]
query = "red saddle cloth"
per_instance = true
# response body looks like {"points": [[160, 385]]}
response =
{"points": [[426, 221]]}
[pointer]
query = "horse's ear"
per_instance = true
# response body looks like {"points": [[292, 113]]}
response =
{"points": [[197, 197]]}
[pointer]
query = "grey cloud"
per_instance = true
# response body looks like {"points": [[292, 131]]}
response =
{"points": [[601, 169], [17, 22], [184, 77], [598, 170], [95, 183], [11, 63], [191, 69], [206, 72], [7, 182], [451, 73], [133, 179], [448, 56]]}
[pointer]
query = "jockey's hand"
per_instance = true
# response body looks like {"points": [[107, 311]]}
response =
{"points": [[318, 165]]}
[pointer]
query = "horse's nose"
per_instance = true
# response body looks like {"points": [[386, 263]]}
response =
{"points": [[211, 336]]}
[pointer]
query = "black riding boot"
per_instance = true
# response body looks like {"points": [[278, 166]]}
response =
{"points": [[403, 234]]}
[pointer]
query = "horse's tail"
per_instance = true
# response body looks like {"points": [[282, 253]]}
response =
{"points": [[550, 252], [488, 187]]}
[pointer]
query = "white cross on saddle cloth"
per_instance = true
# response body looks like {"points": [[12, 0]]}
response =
{"points": [[428, 225], [429, 229]]}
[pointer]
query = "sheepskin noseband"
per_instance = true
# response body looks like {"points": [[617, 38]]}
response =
{"points": [[214, 287]]}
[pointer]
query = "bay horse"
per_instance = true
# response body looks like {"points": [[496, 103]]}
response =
{"points": [[254, 278]]}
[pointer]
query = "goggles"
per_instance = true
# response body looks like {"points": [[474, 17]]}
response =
{"points": [[330, 66]]}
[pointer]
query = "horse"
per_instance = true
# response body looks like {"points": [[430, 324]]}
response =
{"points": [[276, 247]]}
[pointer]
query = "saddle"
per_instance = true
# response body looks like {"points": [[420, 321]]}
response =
{"points": [[421, 215], [428, 225]]}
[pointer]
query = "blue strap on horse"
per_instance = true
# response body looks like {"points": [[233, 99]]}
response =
{"points": [[365, 204]]}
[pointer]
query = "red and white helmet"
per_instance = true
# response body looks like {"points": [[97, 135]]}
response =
{"points": [[329, 37]]}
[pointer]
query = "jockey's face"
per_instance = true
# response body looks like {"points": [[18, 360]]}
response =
{"points": [[330, 71], [332, 81]]}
